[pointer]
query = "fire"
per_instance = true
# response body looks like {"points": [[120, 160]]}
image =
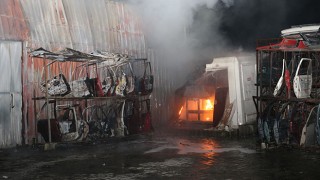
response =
{"points": [[180, 110], [209, 105]]}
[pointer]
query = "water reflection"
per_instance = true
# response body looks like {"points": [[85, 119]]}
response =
{"points": [[206, 146], [208, 157], [173, 158], [205, 152]]}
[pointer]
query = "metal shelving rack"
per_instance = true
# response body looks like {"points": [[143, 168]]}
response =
{"points": [[269, 65], [70, 55]]}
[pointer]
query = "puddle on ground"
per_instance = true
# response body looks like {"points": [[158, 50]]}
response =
{"points": [[163, 158], [184, 146]]}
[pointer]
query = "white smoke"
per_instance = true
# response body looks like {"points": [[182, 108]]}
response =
{"points": [[168, 23], [228, 3]]}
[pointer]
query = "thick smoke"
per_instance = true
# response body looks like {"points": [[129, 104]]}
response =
{"points": [[247, 21], [173, 33], [189, 33]]}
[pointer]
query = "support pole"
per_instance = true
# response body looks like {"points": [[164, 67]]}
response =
{"points": [[47, 98], [198, 101]]}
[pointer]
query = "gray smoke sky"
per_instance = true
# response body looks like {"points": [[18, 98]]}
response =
{"points": [[189, 33], [172, 32], [166, 20]]}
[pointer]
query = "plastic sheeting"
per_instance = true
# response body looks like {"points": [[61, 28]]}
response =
{"points": [[10, 94]]}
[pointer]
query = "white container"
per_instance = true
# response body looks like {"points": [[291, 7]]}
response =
{"points": [[241, 81]]}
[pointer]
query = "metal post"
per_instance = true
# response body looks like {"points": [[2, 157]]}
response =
{"points": [[198, 101], [35, 114], [86, 107], [187, 109], [47, 98], [271, 73]]}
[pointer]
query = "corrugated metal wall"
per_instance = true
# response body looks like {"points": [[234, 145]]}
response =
{"points": [[85, 26], [162, 99], [79, 24], [12, 22]]}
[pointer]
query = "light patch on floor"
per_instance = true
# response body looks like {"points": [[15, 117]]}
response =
{"points": [[185, 147], [167, 168]]}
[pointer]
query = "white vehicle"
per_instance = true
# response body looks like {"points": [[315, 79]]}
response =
{"points": [[310, 34], [295, 31], [302, 82]]}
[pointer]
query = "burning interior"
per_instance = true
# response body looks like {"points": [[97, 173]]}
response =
{"points": [[221, 98], [203, 101]]}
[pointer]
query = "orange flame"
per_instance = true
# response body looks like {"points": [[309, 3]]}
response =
{"points": [[180, 110], [209, 105]]}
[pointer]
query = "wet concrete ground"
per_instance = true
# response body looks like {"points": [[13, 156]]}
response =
{"points": [[161, 157]]}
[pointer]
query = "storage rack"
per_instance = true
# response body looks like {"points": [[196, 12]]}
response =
{"points": [[269, 68], [70, 55]]}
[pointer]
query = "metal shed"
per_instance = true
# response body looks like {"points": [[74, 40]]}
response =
{"points": [[29, 24]]}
